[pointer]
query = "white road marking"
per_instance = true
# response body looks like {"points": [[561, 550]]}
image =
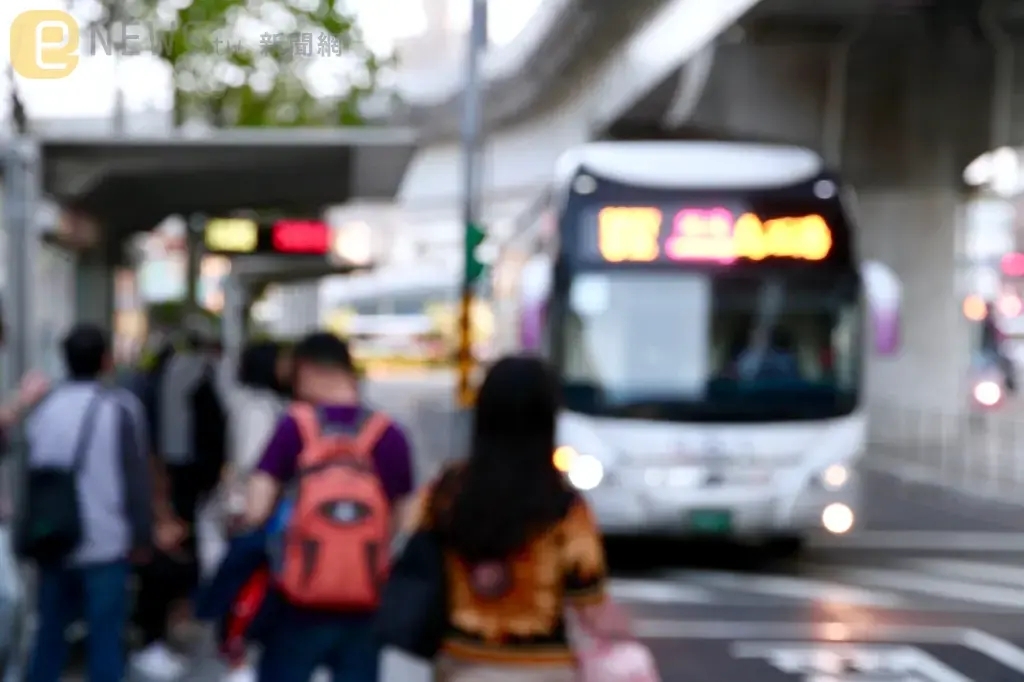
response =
{"points": [[832, 661], [996, 648], [945, 541], [660, 592], [973, 571], [956, 590], [807, 589], [816, 631]]}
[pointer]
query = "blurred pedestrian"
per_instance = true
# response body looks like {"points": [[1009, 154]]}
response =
{"points": [[256, 406], [354, 468], [189, 419], [523, 548], [89, 442], [254, 412]]}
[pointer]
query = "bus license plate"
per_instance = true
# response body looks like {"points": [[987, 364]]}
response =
{"points": [[711, 521]]}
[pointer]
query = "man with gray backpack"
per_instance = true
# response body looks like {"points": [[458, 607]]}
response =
{"points": [[87, 512]]}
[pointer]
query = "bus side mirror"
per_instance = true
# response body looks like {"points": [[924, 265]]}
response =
{"points": [[883, 293]]}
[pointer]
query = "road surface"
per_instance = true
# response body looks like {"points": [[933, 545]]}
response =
{"points": [[712, 615]]}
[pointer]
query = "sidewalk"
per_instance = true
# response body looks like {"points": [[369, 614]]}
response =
{"points": [[987, 465], [896, 503]]}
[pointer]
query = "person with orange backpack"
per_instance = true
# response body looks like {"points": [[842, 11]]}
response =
{"points": [[339, 470]]}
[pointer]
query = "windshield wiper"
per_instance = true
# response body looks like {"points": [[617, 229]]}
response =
{"points": [[770, 304]]}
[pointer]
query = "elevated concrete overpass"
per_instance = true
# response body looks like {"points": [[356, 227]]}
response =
{"points": [[607, 77]]}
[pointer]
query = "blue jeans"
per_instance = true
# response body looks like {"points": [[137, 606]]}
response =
{"points": [[299, 642], [100, 593]]}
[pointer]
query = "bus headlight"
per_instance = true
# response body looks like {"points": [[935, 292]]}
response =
{"points": [[584, 472], [835, 477], [837, 519], [564, 457]]}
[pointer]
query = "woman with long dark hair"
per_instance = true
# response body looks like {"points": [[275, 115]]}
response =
{"points": [[522, 545]]}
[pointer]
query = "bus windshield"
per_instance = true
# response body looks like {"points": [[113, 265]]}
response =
{"points": [[672, 345]]}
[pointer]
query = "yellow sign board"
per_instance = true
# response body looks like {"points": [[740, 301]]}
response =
{"points": [[231, 235]]}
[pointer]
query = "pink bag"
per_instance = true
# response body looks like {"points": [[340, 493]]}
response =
{"points": [[627, 661]]}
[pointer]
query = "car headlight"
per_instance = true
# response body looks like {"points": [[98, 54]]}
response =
{"points": [[835, 477], [584, 472]]}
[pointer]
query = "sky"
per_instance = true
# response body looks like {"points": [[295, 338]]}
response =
{"points": [[89, 92]]}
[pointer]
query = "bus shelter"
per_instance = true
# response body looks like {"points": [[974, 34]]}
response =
{"points": [[251, 272], [111, 188]]}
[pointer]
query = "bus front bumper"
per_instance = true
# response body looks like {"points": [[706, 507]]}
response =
{"points": [[726, 512]]}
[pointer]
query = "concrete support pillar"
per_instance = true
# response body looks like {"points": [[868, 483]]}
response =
{"points": [[771, 90], [917, 112]]}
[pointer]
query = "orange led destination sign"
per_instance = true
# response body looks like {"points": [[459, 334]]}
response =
{"points": [[633, 234]]}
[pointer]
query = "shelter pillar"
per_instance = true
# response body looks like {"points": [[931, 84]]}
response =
{"points": [[300, 308], [21, 191], [233, 322], [94, 290]]}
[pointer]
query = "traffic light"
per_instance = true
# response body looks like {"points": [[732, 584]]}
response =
{"points": [[474, 268]]}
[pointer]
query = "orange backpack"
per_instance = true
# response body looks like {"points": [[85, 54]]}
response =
{"points": [[335, 549]]}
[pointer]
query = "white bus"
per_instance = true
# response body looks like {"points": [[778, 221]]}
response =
{"points": [[704, 306]]}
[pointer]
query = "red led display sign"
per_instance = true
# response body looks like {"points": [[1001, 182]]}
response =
{"points": [[311, 237]]}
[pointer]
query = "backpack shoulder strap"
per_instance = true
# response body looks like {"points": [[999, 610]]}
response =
{"points": [[84, 439], [370, 433], [307, 420]]}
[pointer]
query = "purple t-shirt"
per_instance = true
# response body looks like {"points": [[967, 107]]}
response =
{"points": [[391, 456]]}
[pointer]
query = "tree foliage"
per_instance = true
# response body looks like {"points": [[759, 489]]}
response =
{"points": [[256, 62]]}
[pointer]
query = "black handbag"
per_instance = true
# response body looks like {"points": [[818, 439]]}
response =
{"points": [[51, 528], [413, 611]]}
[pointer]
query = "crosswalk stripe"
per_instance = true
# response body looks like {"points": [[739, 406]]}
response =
{"points": [[915, 583], [807, 589], [657, 591], [974, 571], [944, 588], [928, 541]]}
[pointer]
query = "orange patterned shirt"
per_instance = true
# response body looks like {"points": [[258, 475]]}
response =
{"points": [[513, 611]]}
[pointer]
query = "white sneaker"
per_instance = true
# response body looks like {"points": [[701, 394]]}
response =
{"points": [[159, 662], [242, 674]]}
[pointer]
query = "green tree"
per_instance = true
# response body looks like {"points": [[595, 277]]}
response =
{"points": [[244, 63]]}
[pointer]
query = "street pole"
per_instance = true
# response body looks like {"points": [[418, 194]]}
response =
{"points": [[113, 19], [472, 144], [194, 228]]}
